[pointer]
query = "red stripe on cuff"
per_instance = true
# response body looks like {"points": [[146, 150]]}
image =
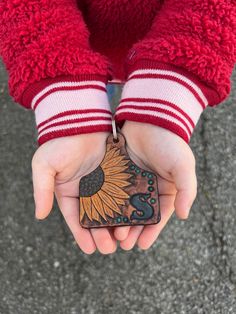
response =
{"points": [[75, 131], [72, 121], [169, 78], [73, 112], [37, 87], [209, 92], [155, 101], [169, 125], [169, 113], [67, 88]]}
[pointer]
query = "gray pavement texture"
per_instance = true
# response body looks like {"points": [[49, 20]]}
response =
{"points": [[190, 269]]}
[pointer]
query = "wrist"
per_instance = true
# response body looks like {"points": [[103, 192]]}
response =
{"points": [[151, 129]]}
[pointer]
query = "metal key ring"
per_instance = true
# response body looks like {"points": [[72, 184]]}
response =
{"points": [[114, 130]]}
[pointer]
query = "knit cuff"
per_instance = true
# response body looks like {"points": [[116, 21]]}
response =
{"points": [[163, 95], [67, 106]]}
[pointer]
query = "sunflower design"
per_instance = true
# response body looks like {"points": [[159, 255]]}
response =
{"points": [[101, 191]]}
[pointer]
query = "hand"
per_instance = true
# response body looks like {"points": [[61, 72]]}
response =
{"points": [[155, 148], [57, 167]]}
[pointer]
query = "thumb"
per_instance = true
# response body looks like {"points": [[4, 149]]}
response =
{"points": [[185, 180], [43, 183]]}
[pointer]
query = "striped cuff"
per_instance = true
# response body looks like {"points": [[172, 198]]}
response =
{"points": [[163, 97], [67, 107]]}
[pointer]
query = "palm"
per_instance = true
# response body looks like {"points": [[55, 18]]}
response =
{"points": [[157, 149], [69, 159]]}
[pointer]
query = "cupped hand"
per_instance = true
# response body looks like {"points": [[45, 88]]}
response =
{"points": [[170, 157], [57, 168]]}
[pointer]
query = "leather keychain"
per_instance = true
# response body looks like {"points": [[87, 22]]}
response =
{"points": [[118, 192]]}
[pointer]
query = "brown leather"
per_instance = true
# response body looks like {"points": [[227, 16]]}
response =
{"points": [[118, 192]]}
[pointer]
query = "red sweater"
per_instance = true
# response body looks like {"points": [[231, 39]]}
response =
{"points": [[174, 56]]}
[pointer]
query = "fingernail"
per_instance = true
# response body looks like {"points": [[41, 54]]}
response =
{"points": [[37, 219], [186, 214]]}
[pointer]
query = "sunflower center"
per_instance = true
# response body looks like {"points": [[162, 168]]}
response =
{"points": [[91, 183]]}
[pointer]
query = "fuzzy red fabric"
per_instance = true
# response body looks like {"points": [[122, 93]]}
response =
{"points": [[43, 40], [47, 38], [196, 35]]}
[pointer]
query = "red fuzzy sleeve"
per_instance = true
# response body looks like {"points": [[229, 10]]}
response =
{"points": [[182, 65], [45, 39], [198, 37]]}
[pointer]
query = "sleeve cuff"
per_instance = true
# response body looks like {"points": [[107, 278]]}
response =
{"points": [[67, 106], [163, 95]]}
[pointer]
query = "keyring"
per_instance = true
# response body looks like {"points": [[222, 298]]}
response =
{"points": [[114, 131]]}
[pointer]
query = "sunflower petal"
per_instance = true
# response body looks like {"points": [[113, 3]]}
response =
{"points": [[108, 146], [119, 176], [124, 162], [107, 208], [114, 190], [87, 206], [95, 214], [119, 201], [114, 170], [108, 200], [81, 209], [111, 154], [120, 183], [117, 161], [97, 203], [108, 211]]}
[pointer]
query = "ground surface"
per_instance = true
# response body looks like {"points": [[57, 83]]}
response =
{"points": [[191, 268]]}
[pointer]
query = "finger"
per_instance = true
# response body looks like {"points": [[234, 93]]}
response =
{"points": [[43, 184], [132, 237], [151, 232], [105, 243], [70, 210], [121, 233], [186, 184], [165, 187], [111, 231]]}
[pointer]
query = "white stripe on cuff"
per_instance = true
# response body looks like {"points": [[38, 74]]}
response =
{"points": [[72, 117], [152, 112], [68, 100], [75, 125], [160, 115], [176, 75], [165, 89], [65, 84]]}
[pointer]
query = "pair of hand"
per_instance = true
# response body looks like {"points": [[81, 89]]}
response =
{"points": [[59, 164]]}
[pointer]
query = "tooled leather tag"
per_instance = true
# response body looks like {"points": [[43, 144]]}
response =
{"points": [[118, 192]]}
